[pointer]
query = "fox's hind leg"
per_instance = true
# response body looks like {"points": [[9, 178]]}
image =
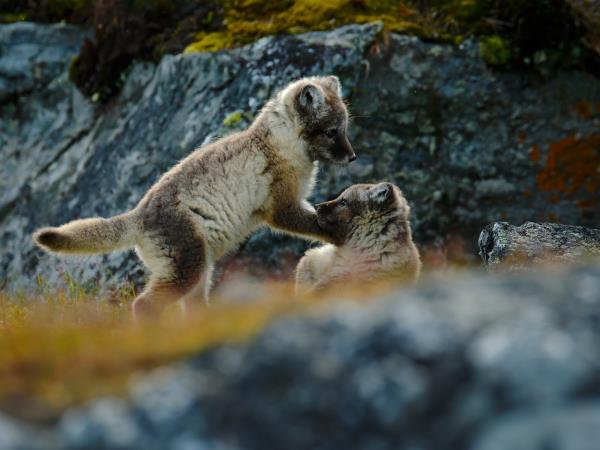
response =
{"points": [[200, 292], [157, 295], [179, 263]]}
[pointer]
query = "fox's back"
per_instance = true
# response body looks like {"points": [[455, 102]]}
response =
{"points": [[218, 188]]}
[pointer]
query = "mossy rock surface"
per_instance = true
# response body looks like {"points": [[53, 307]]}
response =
{"points": [[495, 51], [128, 30]]}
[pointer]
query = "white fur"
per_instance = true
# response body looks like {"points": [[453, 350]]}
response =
{"points": [[227, 199]]}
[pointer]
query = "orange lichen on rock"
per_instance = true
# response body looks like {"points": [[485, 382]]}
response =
{"points": [[534, 153], [584, 109], [572, 166]]}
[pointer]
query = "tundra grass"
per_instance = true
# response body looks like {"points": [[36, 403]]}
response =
{"points": [[62, 348], [57, 350]]}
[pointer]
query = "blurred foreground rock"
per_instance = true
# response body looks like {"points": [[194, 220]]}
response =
{"points": [[468, 145], [476, 362], [507, 246]]}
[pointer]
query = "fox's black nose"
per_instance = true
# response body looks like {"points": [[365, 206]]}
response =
{"points": [[352, 158]]}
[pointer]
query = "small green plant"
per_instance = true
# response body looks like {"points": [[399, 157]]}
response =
{"points": [[12, 17], [495, 51], [232, 119]]}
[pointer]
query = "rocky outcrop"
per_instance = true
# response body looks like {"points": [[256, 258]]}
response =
{"points": [[476, 362], [466, 144], [502, 245], [31, 56]]}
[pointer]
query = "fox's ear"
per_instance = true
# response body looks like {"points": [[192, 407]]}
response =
{"points": [[310, 98], [332, 82], [402, 204], [380, 192], [404, 208]]}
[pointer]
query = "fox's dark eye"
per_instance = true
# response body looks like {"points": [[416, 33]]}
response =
{"points": [[331, 133], [343, 202]]}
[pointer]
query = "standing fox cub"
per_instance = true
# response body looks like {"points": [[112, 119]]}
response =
{"points": [[213, 199], [371, 221]]}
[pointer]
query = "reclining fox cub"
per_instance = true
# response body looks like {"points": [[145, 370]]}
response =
{"points": [[213, 199], [371, 222]]}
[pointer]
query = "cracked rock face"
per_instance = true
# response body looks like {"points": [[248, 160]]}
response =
{"points": [[467, 145], [31, 56]]}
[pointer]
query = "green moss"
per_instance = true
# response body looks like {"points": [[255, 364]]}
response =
{"points": [[232, 118], [495, 51], [248, 20], [12, 17], [208, 42], [128, 30], [511, 33], [470, 9]]}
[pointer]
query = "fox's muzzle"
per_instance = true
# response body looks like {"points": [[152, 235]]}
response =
{"points": [[325, 213], [343, 150]]}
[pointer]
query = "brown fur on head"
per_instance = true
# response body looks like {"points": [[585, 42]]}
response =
{"points": [[322, 118], [363, 208]]}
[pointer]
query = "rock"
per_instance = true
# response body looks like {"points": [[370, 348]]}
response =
{"points": [[474, 361], [509, 246], [33, 55], [169, 397], [567, 428], [466, 144], [19, 436], [106, 423]]}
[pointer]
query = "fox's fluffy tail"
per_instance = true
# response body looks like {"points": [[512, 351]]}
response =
{"points": [[89, 236]]}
